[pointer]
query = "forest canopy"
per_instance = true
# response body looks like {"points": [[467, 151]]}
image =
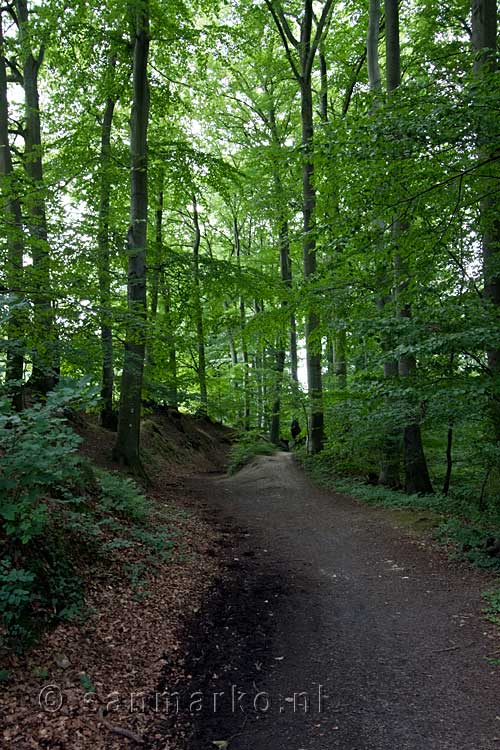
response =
{"points": [[261, 211]]}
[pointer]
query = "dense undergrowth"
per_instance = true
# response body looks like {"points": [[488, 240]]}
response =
{"points": [[62, 517]]}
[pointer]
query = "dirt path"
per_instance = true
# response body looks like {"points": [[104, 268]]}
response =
{"points": [[380, 630]]}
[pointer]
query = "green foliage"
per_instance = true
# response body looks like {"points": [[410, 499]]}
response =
{"points": [[16, 598], [137, 573], [492, 610], [57, 513], [87, 684], [40, 463], [248, 447], [121, 496], [41, 672], [468, 541]]}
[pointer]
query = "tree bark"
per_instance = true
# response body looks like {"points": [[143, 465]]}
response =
{"points": [[286, 279], [198, 313], [107, 416], [15, 245], [417, 479], [275, 429], [372, 55], [244, 348], [313, 347], [171, 344], [484, 39], [306, 48], [45, 356], [127, 447]]}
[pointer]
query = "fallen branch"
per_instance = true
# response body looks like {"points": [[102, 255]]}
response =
{"points": [[120, 731]]}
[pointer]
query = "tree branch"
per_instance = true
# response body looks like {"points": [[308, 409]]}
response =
{"points": [[284, 39], [274, 5], [320, 27], [353, 82]]}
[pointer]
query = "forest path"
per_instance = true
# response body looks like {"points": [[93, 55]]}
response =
{"points": [[388, 628]]}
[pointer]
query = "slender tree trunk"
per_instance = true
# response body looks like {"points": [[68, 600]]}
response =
{"points": [[391, 447], [305, 49], [449, 461], [390, 462], [340, 361], [323, 94], [45, 357], [155, 280], [154, 271], [108, 417], [15, 245], [417, 479], [275, 430], [198, 312], [484, 38], [127, 448], [171, 344], [159, 284], [313, 343], [244, 347], [372, 55], [336, 348], [286, 278], [294, 360]]}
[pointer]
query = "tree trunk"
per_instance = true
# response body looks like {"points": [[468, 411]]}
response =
{"points": [[305, 49], [390, 460], [484, 38], [313, 343], [286, 278], [294, 360], [171, 344], [198, 312], [275, 429], [323, 94], [15, 246], [157, 261], [244, 348], [417, 478], [340, 358], [107, 416], [127, 448], [372, 55], [45, 357], [154, 270]]}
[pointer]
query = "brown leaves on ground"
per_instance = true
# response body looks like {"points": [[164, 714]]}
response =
{"points": [[110, 665]]}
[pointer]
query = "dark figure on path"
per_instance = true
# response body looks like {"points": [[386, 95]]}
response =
{"points": [[295, 430]]}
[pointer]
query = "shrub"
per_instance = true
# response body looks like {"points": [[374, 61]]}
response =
{"points": [[121, 495], [16, 599], [39, 460]]}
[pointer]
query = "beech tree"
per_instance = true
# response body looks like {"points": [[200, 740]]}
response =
{"points": [[323, 239], [484, 38], [127, 447], [300, 53], [14, 233]]}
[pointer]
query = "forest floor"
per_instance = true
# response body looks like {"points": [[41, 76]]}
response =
{"points": [[287, 617], [337, 629], [92, 683]]}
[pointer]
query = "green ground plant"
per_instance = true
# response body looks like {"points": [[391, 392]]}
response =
{"points": [[248, 446]]}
